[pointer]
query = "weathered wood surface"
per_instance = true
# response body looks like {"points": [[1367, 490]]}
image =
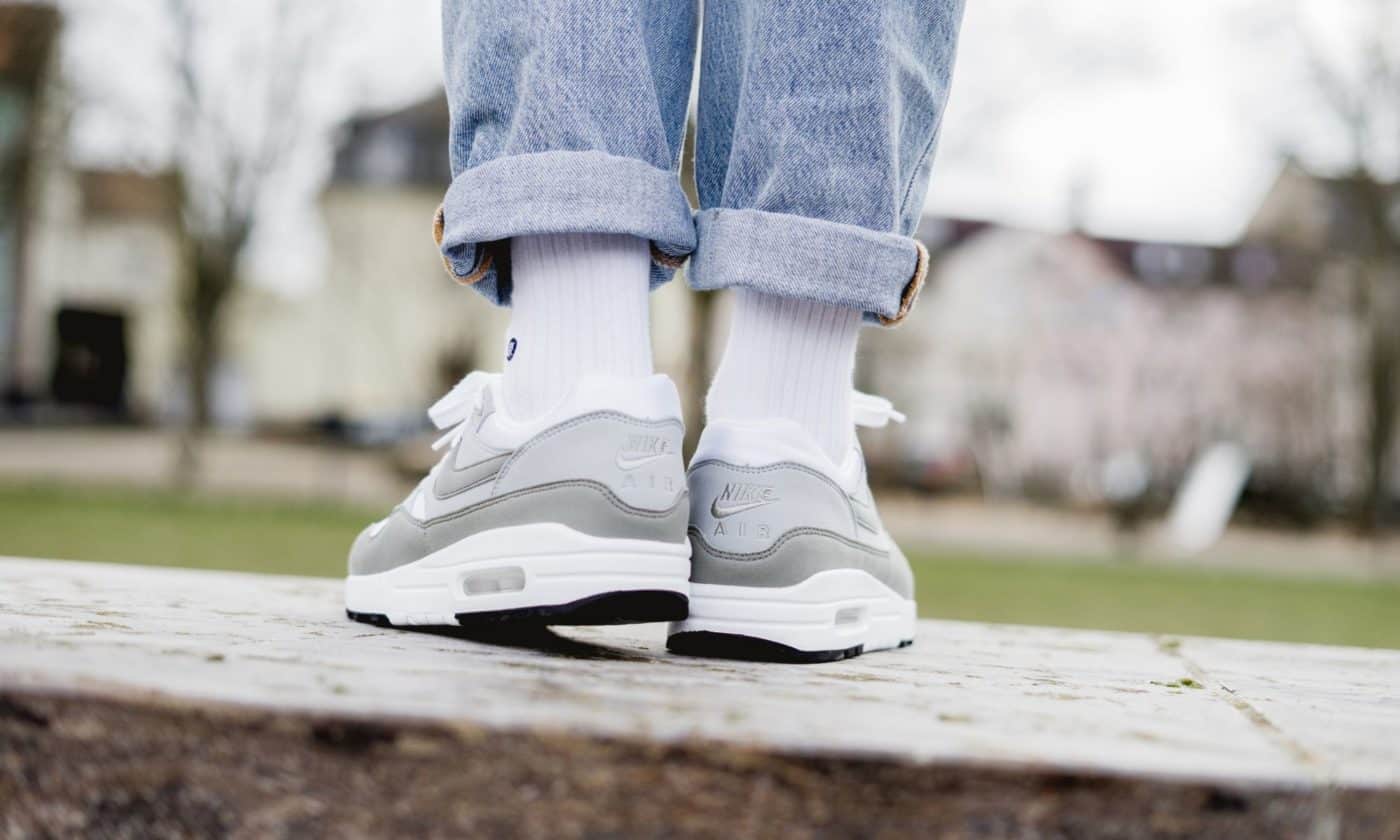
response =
{"points": [[218, 702]]}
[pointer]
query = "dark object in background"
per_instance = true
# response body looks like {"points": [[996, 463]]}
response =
{"points": [[90, 365]]}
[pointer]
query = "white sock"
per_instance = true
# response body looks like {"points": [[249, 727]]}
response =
{"points": [[578, 306], [793, 359]]}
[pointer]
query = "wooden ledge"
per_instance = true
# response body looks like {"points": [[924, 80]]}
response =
{"points": [[145, 700]]}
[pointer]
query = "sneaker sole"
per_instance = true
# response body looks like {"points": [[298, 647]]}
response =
{"points": [[833, 615], [544, 573], [637, 607]]}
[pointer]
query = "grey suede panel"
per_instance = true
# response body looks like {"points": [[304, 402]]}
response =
{"points": [[450, 480], [796, 556], [585, 506], [638, 461], [778, 525], [400, 541], [796, 497]]}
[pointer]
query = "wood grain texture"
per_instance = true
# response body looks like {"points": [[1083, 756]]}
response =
{"points": [[217, 703]]}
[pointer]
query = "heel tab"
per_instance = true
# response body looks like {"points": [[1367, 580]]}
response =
{"points": [[651, 397], [742, 509], [759, 443]]}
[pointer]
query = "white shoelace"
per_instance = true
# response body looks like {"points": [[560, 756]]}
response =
{"points": [[873, 412], [452, 413]]}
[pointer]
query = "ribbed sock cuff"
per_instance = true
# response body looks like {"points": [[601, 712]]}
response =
{"points": [[579, 307], [789, 358]]}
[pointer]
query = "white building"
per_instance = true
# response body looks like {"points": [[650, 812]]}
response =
{"points": [[1034, 358], [381, 336]]}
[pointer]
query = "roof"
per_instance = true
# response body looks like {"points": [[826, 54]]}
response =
{"points": [[405, 146], [126, 193], [1311, 211], [1155, 263], [941, 233]]}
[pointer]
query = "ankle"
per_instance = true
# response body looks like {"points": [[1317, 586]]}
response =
{"points": [[789, 359], [578, 307]]}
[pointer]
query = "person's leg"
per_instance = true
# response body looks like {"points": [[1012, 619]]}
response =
{"points": [[817, 125], [560, 496], [579, 307], [791, 358], [817, 128], [567, 121]]}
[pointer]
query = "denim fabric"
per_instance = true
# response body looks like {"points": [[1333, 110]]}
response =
{"points": [[567, 117], [816, 129]]}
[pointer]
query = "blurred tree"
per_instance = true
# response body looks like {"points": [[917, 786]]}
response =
{"points": [[238, 124], [1359, 83]]}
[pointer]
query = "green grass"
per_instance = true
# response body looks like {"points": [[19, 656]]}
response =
{"points": [[1199, 602], [169, 529], [160, 528]]}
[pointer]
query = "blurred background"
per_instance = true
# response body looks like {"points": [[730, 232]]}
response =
{"points": [[1154, 382]]}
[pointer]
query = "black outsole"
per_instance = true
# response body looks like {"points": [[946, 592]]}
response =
{"points": [[752, 649], [377, 619], [634, 607]]}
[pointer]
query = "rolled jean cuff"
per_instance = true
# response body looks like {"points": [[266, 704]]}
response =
{"points": [[558, 192], [794, 256]]}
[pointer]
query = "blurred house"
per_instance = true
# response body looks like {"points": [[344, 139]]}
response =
{"points": [[28, 33], [386, 331], [366, 349], [1038, 357], [88, 258], [395, 325], [101, 325]]}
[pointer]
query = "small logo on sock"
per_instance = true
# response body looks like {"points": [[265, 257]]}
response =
{"points": [[510, 349], [737, 498], [641, 449]]}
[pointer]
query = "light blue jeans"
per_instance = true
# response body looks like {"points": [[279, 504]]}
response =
{"points": [[816, 129]]}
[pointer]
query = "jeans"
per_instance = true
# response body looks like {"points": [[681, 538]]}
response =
{"points": [[816, 127]]}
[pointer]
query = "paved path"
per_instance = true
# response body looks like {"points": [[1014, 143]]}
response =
{"points": [[240, 464], [1028, 531], [1290, 738], [229, 463]]}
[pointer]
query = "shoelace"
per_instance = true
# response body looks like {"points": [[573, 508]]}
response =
{"points": [[452, 413], [873, 412]]}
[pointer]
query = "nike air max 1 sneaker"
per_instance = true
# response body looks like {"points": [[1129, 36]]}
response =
{"points": [[577, 517], [789, 560]]}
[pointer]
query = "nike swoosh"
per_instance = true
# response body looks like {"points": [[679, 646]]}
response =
{"points": [[454, 481], [864, 513], [625, 463], [729, 510], [865, 520]]}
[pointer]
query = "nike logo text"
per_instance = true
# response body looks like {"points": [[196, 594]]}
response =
{"points": [[641, 449], [631, 462], [719, 511], [737, 498]]}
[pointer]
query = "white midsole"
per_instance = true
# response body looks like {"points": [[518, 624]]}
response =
{"points": [[831, 610], [541, 564]]}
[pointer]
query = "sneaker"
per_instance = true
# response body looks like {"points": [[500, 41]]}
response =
{"points": [[577, 517], [789, 561]]}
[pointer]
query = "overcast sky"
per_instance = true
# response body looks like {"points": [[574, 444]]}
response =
{"points": [[1156, 120]]}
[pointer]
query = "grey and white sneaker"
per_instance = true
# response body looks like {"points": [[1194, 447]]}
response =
{"points": [[789, 560], [577, 517]]}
